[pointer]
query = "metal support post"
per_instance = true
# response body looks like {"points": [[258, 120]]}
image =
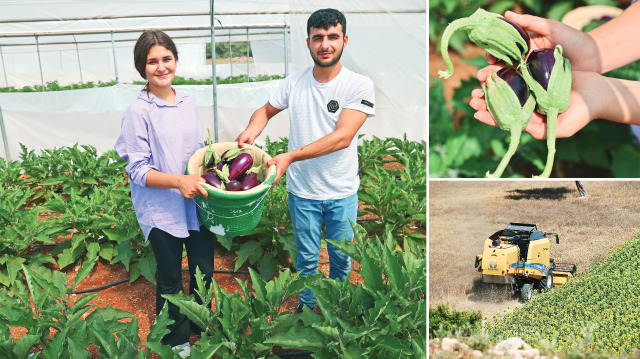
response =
{"points": [[4, 137], [213, 73], [78, 53], [4, 67], [286, 53], [248, 77], [230, 55], [115, 63], [40, 62]]}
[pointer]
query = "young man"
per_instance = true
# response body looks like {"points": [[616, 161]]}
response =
{"points": [[327, 106]]}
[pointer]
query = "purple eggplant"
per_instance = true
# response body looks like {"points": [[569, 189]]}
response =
{"points": [[234, 186], [212, 179], [523, 34], [250, 181], [240, 165], [516, 82], [220, 165], [211, 163], [540, 63]]}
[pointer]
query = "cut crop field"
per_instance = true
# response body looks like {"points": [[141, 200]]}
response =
{"points": [[462, 214]]}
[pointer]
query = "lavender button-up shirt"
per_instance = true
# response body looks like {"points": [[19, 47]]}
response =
{"points": [[162, 136]]}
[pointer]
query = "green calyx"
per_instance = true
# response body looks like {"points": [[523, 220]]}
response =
{"points": [[486, 30], [557, 93], [552, 101], [504, 106]]}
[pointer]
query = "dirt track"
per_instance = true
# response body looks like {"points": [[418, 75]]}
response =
{"points": [[462, 214]]}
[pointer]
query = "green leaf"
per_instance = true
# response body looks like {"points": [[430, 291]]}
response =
{"points": [[147, 266], [23, 346], [226, 242], [197, 313], [123, 254], [89, 262], [159, 329], [304, 339], [247, 249], [372, 274], [55, 348], [267, 267]]}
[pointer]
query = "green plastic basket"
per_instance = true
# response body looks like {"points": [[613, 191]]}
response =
{"points": [[232, 213]]}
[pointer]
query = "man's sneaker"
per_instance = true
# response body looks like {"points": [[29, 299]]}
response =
{"points": [[185, 349], [299, 308]]}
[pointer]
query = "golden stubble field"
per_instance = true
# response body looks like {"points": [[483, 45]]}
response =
{"points": [[462, 214]]}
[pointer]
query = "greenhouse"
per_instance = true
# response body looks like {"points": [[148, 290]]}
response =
{"points": [[79, 42]]}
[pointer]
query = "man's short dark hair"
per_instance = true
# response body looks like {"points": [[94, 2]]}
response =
{"points": [[326, 18]]}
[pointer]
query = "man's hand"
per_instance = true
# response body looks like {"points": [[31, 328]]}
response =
{"points": [[282, 162], [257, 123], [246, 137]]}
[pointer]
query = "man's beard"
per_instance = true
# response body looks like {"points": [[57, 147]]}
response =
{"points": [[333, 62]]}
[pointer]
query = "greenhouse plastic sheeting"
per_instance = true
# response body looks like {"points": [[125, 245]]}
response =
{"points": [[44, 120], [387, 42]]}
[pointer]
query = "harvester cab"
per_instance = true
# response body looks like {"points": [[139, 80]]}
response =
{"points": [[520, 255]]}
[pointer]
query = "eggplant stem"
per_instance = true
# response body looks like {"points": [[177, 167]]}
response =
{"points": [[552, 119], [459, 24], [513, 146]]}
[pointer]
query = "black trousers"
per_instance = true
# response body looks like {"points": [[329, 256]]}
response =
{"points": [[168, 253]]}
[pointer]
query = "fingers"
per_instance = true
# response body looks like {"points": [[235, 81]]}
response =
{"points": [[202, 190], [485, 117], [484, 72], [529, 22]]}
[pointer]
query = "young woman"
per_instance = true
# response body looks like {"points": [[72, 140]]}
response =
{"points": [[160, 131]]}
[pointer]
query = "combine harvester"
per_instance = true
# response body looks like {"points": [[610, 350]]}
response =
{"points": [[520, 255]]}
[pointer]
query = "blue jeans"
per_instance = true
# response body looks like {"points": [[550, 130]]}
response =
{"points": [[307, 216]]}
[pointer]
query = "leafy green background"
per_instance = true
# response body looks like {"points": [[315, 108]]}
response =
{"points": [[460, 146]]}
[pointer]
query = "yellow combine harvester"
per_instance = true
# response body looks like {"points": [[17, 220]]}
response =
{"points": [[520, 255]]}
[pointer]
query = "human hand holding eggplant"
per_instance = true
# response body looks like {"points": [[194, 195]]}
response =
{"points": [[189, 186], [584, 102], [282, 162]]}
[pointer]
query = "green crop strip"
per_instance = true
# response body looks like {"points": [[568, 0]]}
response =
{"points": [[597, 310]]}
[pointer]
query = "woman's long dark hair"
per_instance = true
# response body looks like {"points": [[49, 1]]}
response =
{"points": [[145, 42]]}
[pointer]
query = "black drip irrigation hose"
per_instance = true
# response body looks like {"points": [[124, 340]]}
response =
{"points": [[183, 269], [100, 287], [108, 285]]}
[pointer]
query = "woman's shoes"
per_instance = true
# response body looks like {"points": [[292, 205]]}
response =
{"points": [[185, 349]]}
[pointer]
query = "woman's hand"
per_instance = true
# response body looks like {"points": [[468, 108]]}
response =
{"points": [[584, 104], [189, 186]]}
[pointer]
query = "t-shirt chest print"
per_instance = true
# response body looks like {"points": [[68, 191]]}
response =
{"points": [[333, 106]]}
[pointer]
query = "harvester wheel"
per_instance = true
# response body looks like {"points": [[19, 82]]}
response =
{"points": [[527, 292], [546, 283]]}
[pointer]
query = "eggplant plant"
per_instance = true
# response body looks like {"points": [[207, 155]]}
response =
{"points": [[548, 75], [511, 106], [503, 39]]}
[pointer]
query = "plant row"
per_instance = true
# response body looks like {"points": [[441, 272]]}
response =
{"points": [[54, 86], [384, 315], [78, 202]]}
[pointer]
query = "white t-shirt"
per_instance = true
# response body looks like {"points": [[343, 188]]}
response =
{"points": [[314, 109]]}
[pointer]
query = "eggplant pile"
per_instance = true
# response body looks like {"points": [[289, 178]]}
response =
{"points": [[540, 81], [233, 171]]}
